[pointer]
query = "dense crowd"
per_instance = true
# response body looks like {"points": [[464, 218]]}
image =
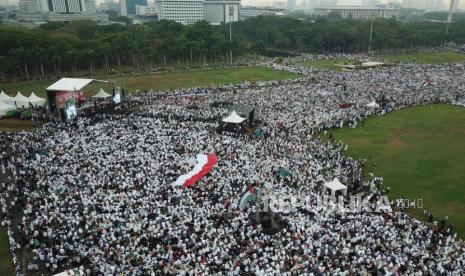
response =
{"points": [[99, 191]]}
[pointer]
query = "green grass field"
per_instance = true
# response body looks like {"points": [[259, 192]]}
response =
{"points": [[14, 125], [420, 153], [162, 81], [420, 57], [327, 64], [428, 58]]}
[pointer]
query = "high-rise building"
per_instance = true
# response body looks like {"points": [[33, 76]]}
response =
{"points": [[58, 10], [146, 10], [359, 12], [128, 7], [249, 12], [221, 11], [182, 11], [29, 6]]}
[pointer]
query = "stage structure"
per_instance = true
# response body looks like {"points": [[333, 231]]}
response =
{"points": [[65, 95]]}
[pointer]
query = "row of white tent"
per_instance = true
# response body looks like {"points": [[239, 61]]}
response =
{"points": [[8, 103], [22, 101]]}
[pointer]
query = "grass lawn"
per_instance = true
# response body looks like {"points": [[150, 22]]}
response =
{"points": [[420, 153], [420, 57], [12, 125], [162, 81], [327, 64], [428, 58]]}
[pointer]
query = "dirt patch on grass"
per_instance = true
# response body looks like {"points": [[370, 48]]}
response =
{"points": [[397, 143], [16, 125], [455, 207]]}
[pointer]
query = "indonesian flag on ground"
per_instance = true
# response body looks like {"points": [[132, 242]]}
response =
{"points": [[204, 165], [248, 196]]}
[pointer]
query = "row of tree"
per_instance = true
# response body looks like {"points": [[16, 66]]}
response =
{"points": [[57, 49]]}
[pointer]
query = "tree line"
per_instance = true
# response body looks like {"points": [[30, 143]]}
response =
{"points": [[57, 49]]}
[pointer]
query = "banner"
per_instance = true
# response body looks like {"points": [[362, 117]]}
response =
{"points": [[62, 97]]}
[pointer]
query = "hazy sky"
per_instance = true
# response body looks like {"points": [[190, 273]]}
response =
{"points": [[257, 2]]}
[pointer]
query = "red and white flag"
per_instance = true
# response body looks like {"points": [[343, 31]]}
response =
{"points": [[204, 165]]}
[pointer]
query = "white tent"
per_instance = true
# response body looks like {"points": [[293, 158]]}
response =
{"points": [[373, 104], [101, 94], [21, 100], [335, 185], [234, 118], [36, 100], [5, 107], [5, 97]]}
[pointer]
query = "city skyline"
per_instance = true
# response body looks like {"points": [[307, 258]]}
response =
{"points": [[267, 3]]}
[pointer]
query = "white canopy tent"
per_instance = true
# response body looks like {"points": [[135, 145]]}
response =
{"points": [[21, 100], [101, 94], [36, 100], [373, 104], [5, 97], [5, 107], [334, 186], [234, 118]]}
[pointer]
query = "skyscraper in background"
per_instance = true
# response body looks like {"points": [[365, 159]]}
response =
{"points": [[58, 10], [57, 6], [128, 7], [182, 11]]}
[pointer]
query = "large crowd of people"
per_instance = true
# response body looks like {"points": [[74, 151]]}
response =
{"points": [[98, 192]]}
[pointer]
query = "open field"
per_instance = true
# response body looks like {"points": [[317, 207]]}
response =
{"points": [[428, 58], [420, 57], [13, 125], [329, 64], [420, 153], [162, 81]]}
